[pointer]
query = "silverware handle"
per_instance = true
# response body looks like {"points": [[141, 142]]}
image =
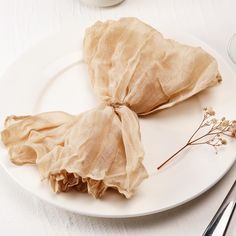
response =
{"points": [[220, 221]]}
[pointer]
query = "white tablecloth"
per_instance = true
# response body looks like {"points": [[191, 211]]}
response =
{"points": [[25, 22]]}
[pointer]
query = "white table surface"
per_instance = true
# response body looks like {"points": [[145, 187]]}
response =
{"points": [[25, 22]]}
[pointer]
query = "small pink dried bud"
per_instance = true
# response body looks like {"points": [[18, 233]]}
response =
{"points": [[209, 111], [233, 134], [232, 129], [224, 141], [225, 123], [233, 124]]}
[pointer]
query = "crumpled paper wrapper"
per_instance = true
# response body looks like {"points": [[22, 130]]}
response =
{"points": [[134, 71]]}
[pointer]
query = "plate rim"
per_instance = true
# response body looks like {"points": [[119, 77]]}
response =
{"points": [[112, 216], [202, 43]]}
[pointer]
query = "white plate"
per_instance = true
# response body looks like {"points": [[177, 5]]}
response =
{"points": [[38, 81]]}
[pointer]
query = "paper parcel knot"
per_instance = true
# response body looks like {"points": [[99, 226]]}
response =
{"points": [[129, 61], [117, 104]]}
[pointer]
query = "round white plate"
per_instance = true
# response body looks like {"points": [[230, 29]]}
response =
{"points": [[49, 77]]}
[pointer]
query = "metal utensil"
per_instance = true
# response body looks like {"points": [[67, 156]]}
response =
{"points": [[220, 221]]}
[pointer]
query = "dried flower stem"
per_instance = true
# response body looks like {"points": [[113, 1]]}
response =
{"points": [[175, 154], [213, 137]]}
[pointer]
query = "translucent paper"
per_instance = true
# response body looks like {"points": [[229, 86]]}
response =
{"points": [[134, 71]]}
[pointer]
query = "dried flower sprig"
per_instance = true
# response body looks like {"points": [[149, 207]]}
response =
{"points": [[216, 132]]}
